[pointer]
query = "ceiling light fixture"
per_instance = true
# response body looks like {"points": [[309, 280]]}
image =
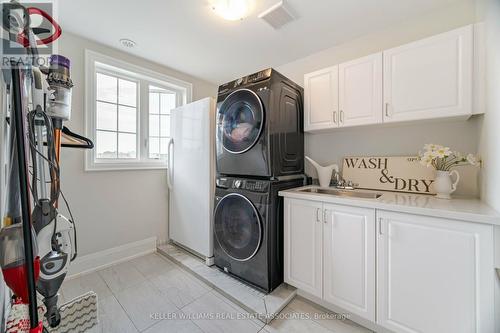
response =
{"points": [[128, 43], [231, 10]]}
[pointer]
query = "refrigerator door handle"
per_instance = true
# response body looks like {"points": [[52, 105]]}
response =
{"points": [[170, 163]]}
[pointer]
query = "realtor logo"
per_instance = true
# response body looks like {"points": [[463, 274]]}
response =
{"points": [[29, 30]]}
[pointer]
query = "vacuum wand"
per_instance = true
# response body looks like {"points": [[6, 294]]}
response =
{"points": [[18, 116], [59, 108]]}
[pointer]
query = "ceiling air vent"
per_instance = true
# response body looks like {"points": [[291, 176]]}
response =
{"points": [[278, 15]]}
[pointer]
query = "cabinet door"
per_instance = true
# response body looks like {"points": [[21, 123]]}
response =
{"points": [[434, 275], [321, 99], [349, 259], [303, 231], [430, 78], [360, 91]]}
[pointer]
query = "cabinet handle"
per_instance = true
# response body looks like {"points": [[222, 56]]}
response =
{"points": [[387, 110], [335, 117], [324, 216], [380, 226], [317, 214], [342, 116]]}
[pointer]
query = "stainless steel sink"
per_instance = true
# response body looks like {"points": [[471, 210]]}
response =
{"points": [[343, 193]]}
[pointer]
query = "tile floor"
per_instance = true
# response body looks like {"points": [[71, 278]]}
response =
{"points": [[152, 294], [250, 299]]}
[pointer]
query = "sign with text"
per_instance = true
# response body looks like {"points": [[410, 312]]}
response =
{"points": [[392, 173]]}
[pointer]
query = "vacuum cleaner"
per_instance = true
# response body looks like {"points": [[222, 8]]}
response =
{"points": [[39, 244]]}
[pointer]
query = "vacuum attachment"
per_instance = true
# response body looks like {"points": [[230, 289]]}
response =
{"points": [[59, 80]]}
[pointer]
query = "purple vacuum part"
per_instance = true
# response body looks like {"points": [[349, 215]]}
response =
{"points": [[59, 60]]}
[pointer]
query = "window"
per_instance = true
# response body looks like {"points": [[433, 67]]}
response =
{"points": [[116, 117], [161, 101], [128, 114]]}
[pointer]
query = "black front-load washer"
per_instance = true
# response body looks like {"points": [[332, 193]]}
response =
{"points": [[260, 126], [248, 229]]}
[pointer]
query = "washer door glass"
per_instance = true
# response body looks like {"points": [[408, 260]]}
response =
{"points": [[240, 121], [237, 227]]}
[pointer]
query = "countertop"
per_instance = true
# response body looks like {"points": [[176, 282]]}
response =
{"points": [[457, 208]]}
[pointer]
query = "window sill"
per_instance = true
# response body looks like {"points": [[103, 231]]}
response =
{"points": [[96, 167]]}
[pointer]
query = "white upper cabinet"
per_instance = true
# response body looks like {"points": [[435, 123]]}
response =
{"points": [[430, 78], [360, 91], [303, 240], [479, 85], [349, 259], [434, 275], [321, 99]]}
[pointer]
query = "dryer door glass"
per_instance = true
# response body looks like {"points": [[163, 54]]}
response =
{"points": [[240, 122], [237, 227]]}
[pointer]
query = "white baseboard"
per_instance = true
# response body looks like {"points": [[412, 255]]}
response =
{"points": [[96, 261]]}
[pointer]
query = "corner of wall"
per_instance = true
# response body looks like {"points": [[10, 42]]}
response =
{"points": [[489, 134]]}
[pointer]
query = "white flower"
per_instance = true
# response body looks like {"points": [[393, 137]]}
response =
{"points": [[443, 158], [472, 159], [442, 152], [432, 147], [427, 158]]}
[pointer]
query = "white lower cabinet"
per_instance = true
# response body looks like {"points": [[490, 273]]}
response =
{"points": [[330, 253], [303, 241], [403, 272], [434, 275], [349, 259]]}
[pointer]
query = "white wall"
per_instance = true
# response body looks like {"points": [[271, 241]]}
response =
{"points": [[489, 143], [489, 11], [400, 139], [113, 208]]}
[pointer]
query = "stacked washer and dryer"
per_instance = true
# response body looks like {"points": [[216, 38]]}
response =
{"points": [[260, 151]]}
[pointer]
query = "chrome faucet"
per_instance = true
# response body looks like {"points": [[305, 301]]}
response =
{"points": [[341, 183], [338, 181]]}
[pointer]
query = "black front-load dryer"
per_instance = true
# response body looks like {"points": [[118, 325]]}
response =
{"points": [[248, 229], [260, 126]]}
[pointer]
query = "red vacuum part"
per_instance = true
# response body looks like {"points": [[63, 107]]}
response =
{"points": [[38, 329], [22, 39], [15, 278]]}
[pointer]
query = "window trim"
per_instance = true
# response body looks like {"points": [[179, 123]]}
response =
{"points": [[95, 62], [177, 102]]}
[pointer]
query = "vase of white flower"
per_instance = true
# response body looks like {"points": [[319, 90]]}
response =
{"points": [[443, 184], [444, 160]]}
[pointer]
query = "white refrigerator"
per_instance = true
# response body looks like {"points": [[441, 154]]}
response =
{"points": [[191, 177]]}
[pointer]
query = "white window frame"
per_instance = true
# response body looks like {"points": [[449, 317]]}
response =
{"points": [[96, 62]]}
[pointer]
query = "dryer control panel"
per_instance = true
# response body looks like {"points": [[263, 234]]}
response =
{"points": [[245, 80]]}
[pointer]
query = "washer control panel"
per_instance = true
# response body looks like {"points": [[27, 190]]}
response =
{"points": [[243, 184], [255, 185]]}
